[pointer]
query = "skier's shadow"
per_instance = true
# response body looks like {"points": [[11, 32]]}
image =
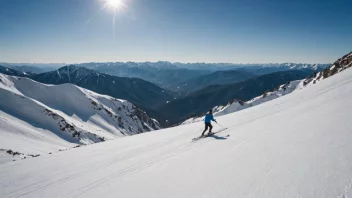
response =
{"points": [[219, 137]]}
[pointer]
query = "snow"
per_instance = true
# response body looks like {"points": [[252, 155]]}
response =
{"points": [[18, 135], [295, 146], [36, 118]]}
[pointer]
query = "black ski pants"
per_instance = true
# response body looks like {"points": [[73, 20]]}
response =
{"points": [[206, 127]]}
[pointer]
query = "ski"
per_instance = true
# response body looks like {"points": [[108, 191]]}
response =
{"points": [[208, 135]]}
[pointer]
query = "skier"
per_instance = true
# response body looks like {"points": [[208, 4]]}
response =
{"points": [[207, 121]]}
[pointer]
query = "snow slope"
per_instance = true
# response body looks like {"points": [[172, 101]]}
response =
{"points": [[67, 114], [298, 145], [18, 135]]}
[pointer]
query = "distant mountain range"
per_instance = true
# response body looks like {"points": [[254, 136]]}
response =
{"points": [[34, 67], [163, 74], [215, 78], [173, 75], [252, 66], [211, 96], [176, 88]]}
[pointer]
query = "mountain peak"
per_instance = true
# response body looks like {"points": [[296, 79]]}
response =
{"points": [[74, 73], [73, 68]]}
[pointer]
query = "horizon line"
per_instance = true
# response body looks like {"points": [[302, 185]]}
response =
{"points": [[228, 63]]}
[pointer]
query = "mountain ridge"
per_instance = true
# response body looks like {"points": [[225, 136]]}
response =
{"points": [[215, 78], [206, 98], [142, 93]]}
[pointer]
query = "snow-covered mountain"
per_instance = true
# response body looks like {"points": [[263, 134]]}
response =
{"points": [[62, 115], [271, 67], [298, 145], [143, 94], [340, 65]]}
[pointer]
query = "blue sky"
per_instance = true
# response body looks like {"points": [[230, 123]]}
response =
{"points": [[237, 31]]}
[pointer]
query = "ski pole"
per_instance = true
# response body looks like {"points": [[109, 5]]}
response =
{"points": [[220, 125]]}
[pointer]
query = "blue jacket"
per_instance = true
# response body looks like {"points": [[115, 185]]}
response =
{"points": [[208, 118]]}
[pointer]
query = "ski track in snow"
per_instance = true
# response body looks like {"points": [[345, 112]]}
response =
{"points": [[179, 149]]}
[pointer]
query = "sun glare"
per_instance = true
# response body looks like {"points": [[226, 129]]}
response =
{"points": [[115, 4]]}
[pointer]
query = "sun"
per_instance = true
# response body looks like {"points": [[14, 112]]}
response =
{"points": [[115, 4], [115, 7]]}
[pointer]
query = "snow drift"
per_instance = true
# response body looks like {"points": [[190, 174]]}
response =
{"points": [[295, 146]]}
